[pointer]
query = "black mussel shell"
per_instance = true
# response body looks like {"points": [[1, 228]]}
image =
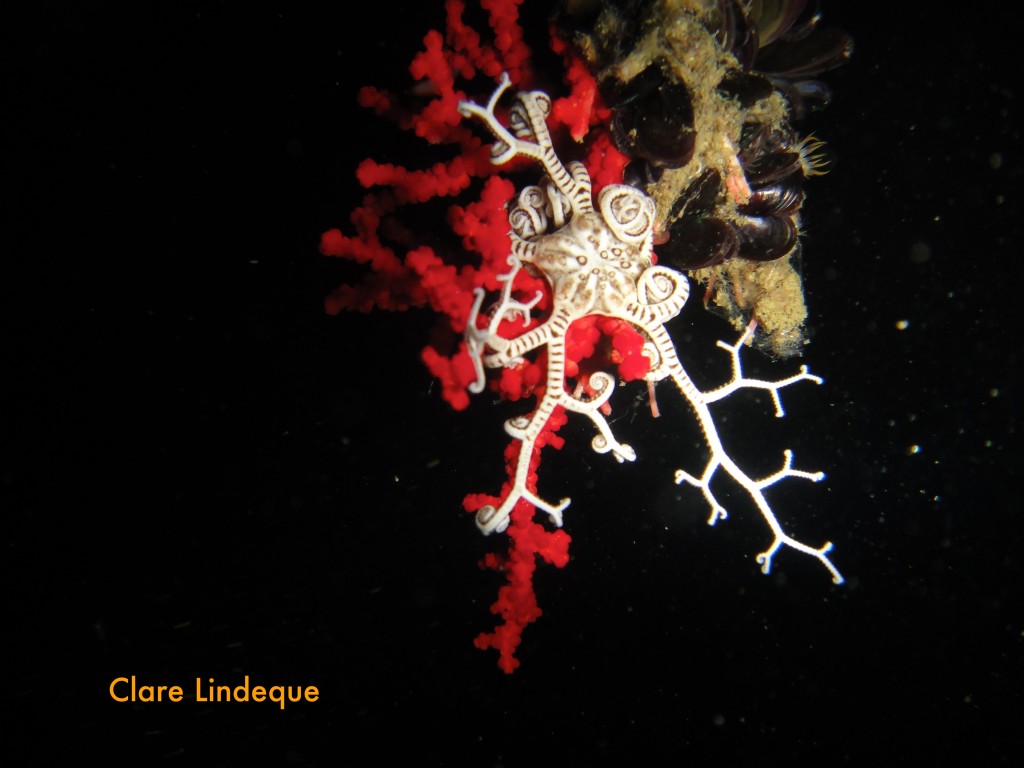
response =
{"points": [[735, 31], [700, 198], [640, 174], [746, 87], [784, 197], [615, 92], [765, 238], [804, 23], [654, 119], [663, 140], [824, 49], [695, 243], [787, 19]]}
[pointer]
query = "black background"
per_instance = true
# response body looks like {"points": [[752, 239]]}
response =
{"points": [[207, 476]]}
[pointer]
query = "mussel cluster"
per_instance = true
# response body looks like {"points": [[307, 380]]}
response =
{"points": [[703, 93]]}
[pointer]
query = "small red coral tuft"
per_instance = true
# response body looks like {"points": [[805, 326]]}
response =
{"points": [[517, 601]]}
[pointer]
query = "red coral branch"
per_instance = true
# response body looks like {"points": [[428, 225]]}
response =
{"points": [[517, 601], [583, 107]]}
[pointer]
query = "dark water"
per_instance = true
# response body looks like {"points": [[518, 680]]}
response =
{"points": [[207, 477]]}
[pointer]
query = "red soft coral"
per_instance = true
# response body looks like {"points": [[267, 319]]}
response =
{"points": [[405, 273]]}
